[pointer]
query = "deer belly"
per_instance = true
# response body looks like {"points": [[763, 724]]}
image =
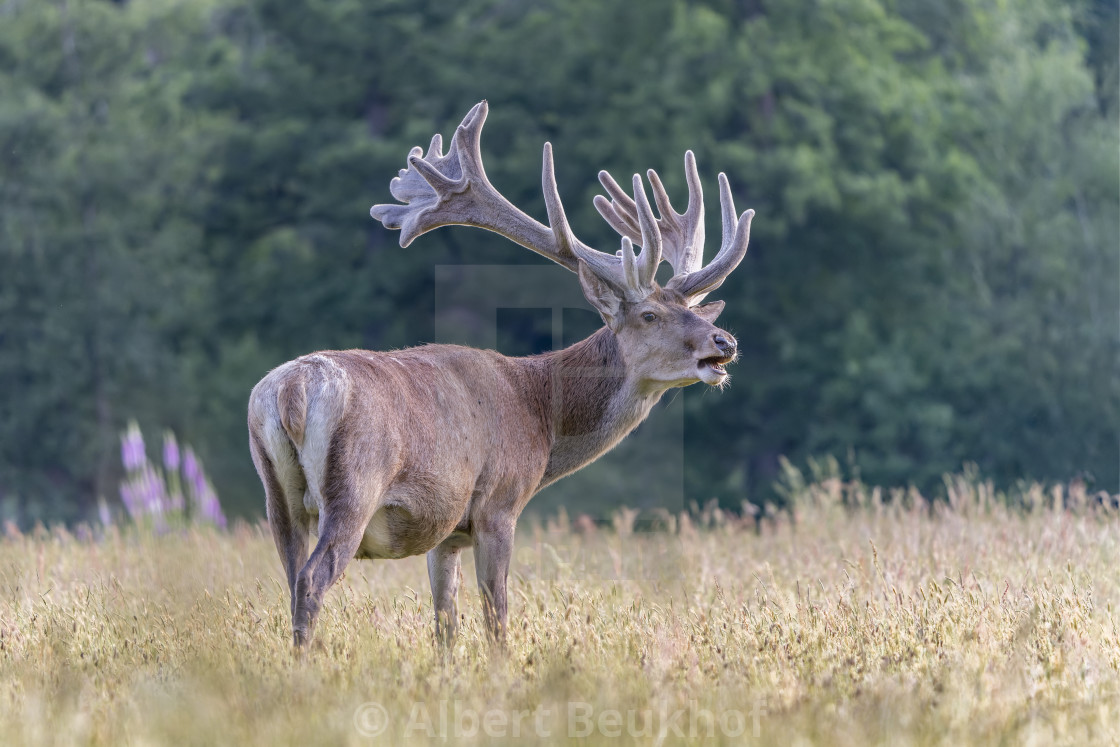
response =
{"points": [[394, 532]]}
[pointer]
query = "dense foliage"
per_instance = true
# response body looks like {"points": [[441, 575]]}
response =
{"points": [[933, 274]]}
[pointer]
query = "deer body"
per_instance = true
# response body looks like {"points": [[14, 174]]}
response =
{"points": [[436, 448], [441, 434]]}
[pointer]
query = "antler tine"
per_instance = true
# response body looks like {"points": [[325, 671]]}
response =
{"points": [[468, 139], [736, 235], [620, 212], [682, 233], [629, 274], [651, 236], [440, 190], [561, 229]]}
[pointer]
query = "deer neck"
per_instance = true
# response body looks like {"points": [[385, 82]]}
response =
{"points": [[589, 400]]}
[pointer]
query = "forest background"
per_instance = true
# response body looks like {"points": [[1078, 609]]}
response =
{"points": [[934, 272]]}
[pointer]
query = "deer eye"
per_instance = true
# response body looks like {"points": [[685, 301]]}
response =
{"points": [[649, 316]]}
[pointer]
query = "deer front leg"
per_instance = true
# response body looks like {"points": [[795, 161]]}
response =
{"points": [[493, 548], [445, 573]]}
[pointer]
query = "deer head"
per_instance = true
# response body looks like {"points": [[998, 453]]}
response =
{"points": [[667, 336]]}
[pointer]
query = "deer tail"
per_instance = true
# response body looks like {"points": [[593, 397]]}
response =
{"points": [[291, 401]]}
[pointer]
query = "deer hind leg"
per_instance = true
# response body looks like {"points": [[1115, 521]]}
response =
{"points": [[284, 486], [493, 548], [347, 506], [340, 533], [445, 574]]}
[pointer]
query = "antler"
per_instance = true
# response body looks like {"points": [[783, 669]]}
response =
{"points": [[440, 190], [682, 234]]}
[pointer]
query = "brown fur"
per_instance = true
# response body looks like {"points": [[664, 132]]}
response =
{"points": [[431, 449], [399, 453]]}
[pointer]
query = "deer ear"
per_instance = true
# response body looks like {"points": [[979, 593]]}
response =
{"points": [[601, 295], [709, 311]]}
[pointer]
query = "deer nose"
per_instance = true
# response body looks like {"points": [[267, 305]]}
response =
{"points": [[725, 343]]}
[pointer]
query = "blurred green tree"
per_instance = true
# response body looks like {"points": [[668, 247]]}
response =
{"points": [[103, 284], [932, 277]]}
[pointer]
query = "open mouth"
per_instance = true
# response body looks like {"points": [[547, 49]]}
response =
{"points": [[715, 363]]}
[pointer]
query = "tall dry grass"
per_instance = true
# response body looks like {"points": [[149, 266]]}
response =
{"points": [[855, 618]]}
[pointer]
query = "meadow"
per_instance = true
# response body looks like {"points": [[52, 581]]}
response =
{"points": [[855, 617]]}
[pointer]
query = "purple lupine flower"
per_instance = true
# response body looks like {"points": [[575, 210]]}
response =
{"points": [[157, 490], [190, 466], [207, 508], [155, 496], [205, 505], [103, 513], [198, 483], [212, 510], [132, 447], [170, 452], [147, 489], [155, 493]]}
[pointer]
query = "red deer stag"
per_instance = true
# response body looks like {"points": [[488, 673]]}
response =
{"points": [[439, 447]]}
